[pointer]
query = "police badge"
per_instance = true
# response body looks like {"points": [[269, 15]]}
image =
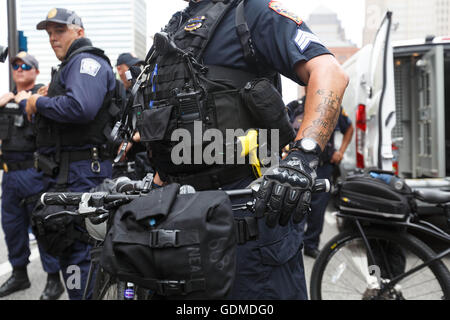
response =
{"points": [[194, 23]]}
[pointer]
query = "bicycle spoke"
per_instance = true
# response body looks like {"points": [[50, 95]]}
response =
{"points": [[427, 294], [346, 289], [345, 274], [418, 284], [355, 272]]}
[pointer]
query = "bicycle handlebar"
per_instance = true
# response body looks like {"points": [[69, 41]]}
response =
{"points": [[74, 198]]}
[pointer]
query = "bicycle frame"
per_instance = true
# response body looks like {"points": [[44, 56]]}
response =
{"points": [[408, 224]]}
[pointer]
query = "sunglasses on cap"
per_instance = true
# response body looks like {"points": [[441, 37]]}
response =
{"points": [[24, 66]]}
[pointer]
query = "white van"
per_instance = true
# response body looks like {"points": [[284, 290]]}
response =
{"points": [[399, 101]]}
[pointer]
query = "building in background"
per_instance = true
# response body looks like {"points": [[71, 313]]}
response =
{"points": [[326, 25], [413, 19], [115, 26]]}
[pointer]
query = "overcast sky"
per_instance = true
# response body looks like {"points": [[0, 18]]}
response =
{"points": [[350, 12]]}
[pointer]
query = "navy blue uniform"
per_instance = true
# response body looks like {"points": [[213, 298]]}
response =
{"points": [[86, 83], [272, 266], [18, 187], [319, 201], [87, 79]]}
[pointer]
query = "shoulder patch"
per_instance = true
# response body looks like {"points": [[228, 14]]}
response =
{"points": [[277, 6], [303, 39], [90, 66]]}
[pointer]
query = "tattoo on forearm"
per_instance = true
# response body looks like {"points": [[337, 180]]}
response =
{"points": [[323, 126]]}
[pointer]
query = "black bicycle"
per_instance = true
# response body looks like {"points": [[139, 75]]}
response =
{"points": [[98, 208], [379, 259]]}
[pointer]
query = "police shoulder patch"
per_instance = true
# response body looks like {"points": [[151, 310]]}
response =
{"points": [[303, 39], [90, 66], [277, 6]]}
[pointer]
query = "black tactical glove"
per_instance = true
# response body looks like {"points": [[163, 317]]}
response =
{"points": [[286, 190]]}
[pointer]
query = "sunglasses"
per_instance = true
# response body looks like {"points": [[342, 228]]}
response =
{"points": [[24, 66]]}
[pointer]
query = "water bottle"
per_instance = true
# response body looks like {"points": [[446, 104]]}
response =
{"points": [[386, 178], [129, 291], [392, 180]]}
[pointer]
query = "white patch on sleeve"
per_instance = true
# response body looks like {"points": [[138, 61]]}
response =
{"points": [[303, 39], [90, 66]]}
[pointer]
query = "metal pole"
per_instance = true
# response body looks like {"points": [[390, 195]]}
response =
{"points": [[13, 38]]}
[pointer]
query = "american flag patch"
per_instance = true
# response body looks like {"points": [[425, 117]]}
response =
{"points": [[303, 39]]}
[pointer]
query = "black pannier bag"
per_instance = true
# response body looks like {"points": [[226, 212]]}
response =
{"points": [[376, 194], [56, 234], [181, 246]]}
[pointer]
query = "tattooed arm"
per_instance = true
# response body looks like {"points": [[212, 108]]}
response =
{"points": [[327, 82]]}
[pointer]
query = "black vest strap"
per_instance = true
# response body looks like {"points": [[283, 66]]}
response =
{"points": [[214, 14], [250, 55], [238, 78], [244, 35]]}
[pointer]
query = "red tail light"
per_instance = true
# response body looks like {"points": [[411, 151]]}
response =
{"points": [[361, 128], [395, 152]]}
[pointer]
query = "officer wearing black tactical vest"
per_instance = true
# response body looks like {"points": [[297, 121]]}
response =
{"points": [[217, 64], [21, 183], [73, 123]]}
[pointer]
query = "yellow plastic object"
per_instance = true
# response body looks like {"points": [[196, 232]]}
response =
{"points": [[249, 145]]}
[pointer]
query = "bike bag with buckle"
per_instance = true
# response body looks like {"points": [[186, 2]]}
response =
{"points": [[376, 194], [57, 234], [182, 246]]}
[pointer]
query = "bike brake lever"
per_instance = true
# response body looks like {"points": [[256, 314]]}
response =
{"points": [[61, 213], [99, 219]]}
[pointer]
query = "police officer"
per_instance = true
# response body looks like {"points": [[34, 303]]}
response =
{"points": [[72, 124], [21, 182], [124, 62], [134, 164], [328, 160], [234, 46]]}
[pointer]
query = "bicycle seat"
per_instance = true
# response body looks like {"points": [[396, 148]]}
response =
{"points": [[432, 196]]}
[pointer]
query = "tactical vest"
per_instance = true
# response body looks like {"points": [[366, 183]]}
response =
{"points": [[53, 134], [181, 91], [16, 132]]}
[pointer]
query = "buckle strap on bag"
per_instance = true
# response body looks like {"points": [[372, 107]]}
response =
{"points": [[173, 238], [179, 287]]}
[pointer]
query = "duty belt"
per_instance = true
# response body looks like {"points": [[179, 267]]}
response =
{"points": [[16, 166], [59, 168], [213, 179]]}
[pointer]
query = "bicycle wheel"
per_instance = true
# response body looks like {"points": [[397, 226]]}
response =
{"points": [[107, 287], [342, 271]]}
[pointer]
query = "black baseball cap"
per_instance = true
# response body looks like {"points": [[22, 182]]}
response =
{"points": [[27, 58], [60, 15], [128, 59]]}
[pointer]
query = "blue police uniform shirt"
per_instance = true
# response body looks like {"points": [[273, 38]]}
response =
{"points": [[87, 79], [344, 122], [281, 39], [342, 125]]}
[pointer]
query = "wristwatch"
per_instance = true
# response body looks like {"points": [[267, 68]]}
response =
{"points": [[307, 145]]}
